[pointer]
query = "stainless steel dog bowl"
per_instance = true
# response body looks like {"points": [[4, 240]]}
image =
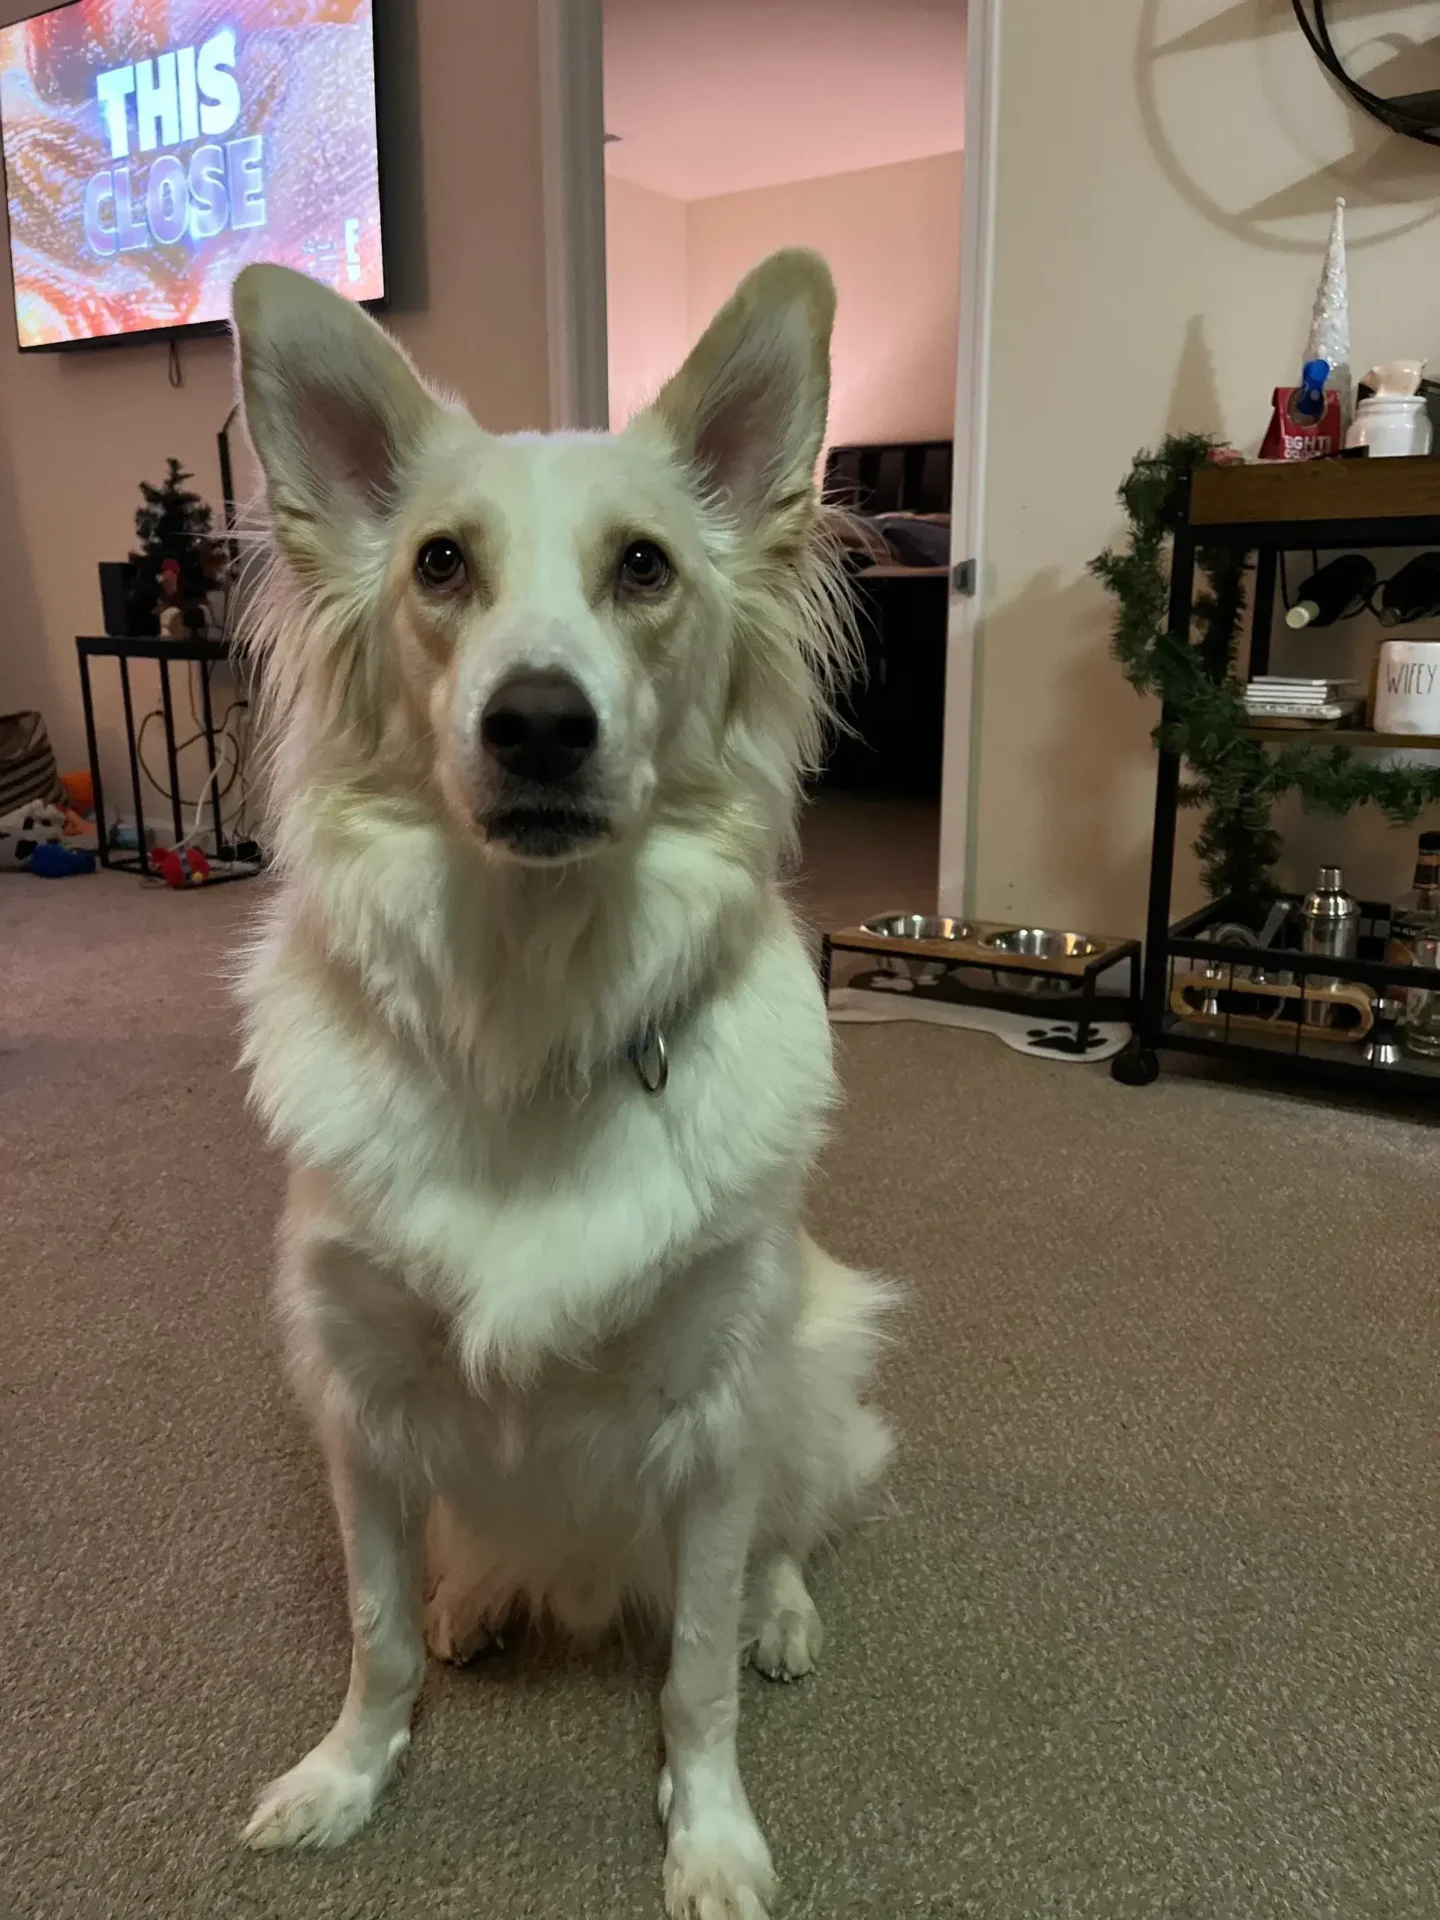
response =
{"points": [[917, 926], [1041, 943]]}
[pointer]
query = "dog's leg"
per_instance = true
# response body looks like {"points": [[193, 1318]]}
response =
{"points": [[333, 1790], [717, 1865], [783, 1634]]}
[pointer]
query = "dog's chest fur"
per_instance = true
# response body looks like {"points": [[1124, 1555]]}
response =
{"points": [[539, 1230], [584, 1451]]}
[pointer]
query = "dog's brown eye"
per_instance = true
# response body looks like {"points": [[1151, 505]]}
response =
{"points": [[644, 567], [440, 565]]}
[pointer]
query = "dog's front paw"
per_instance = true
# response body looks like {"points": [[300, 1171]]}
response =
{"points": [[784, 1634], [457, 1626], [319, 1803], [788, 1645], [717, 1867]]}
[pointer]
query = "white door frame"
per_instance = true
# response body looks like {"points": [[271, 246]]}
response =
{"points": [[572, 159], [572, 132], [964, 654]]}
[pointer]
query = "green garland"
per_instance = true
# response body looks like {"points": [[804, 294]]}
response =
{"points": [[1236, 780]]}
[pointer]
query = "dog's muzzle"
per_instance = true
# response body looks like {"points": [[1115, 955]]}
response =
{"points": [[539, 732]]}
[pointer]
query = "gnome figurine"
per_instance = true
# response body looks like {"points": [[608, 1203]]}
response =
{"points": [[1330, 320]]}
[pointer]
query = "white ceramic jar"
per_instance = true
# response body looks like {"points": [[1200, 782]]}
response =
{"points": [[1391, 424], [1407, 687]]}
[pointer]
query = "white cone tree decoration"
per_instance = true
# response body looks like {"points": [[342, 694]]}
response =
{"points": [[1330, 319]]}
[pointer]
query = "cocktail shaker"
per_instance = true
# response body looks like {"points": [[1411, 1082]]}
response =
{"points": [[1329, 925]]}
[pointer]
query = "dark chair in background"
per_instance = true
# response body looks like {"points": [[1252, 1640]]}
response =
{"points": [[894, 713]]}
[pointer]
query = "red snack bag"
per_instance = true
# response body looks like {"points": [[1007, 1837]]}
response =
{"points": [[1289, 437]]}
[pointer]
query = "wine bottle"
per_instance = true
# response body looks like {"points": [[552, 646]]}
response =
{"points": [[1341, 587], [1413, 593], [1417, 912], [1414, 931]]}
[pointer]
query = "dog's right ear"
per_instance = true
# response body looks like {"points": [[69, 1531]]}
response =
{"points": [[747, 409], [333, 407]]}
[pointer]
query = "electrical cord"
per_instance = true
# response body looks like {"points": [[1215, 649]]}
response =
{"points": [[197, 827], [232, 744], [222, 732], [1398, 118]]}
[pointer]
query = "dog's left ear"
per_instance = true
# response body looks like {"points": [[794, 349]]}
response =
{"points": [[333, 407], [748, 407]]}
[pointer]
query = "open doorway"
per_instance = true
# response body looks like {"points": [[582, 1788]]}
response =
{"points": [[734, 127]]}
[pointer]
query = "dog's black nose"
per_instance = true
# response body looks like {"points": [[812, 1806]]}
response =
{"points": [[539, 726]]}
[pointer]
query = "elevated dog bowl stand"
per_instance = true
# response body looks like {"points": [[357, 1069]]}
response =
{"points": [[1074, 996]]}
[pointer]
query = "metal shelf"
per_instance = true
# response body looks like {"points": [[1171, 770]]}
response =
{"points": [[1334, 1064], [1269, 510]]}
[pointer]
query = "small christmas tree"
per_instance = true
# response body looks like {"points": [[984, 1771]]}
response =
{"points": [[178, 562]]}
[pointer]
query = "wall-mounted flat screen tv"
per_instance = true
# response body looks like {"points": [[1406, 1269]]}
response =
{"points": [[155, 147]]}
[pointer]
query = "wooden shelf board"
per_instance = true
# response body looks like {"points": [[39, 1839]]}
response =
{"points": [[1299, 490], [1338, 737]]}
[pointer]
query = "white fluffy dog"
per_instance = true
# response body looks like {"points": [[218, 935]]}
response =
{"points": [[538, 1033]]}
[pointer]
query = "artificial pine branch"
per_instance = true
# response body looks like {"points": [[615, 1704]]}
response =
{"points": [[1236, 780]]}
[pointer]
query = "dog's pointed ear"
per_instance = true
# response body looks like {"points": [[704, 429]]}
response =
{"points": [[748, 407], [332, 405]]}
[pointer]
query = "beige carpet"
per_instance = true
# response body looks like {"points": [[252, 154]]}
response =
{"points": [[1152, 1630]]}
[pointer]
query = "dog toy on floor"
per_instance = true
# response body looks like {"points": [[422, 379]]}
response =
{"points": [[24, 830], [181, 866], [58, 863]]}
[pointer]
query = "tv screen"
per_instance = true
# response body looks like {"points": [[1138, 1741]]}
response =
{"points": [[155, 147]]}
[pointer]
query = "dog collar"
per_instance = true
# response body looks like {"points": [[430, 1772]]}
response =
{"points": [[647, 1054]]}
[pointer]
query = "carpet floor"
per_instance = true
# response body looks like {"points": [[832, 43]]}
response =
{"points": [[1150, 1630]]}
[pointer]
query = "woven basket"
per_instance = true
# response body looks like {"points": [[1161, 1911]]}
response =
{"points": [[27, 763]]}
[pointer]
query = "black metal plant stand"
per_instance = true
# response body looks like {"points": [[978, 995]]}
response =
{"points": [[1313, 506], [206, 654]]}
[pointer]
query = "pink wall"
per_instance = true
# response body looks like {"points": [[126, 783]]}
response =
{"points": [[892, 237], [647, 319]]}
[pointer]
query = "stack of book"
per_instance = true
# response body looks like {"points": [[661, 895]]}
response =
{"points": [[1279, 700]]}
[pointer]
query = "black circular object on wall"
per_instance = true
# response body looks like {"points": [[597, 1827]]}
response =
{"points": [[1416, 115]]}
